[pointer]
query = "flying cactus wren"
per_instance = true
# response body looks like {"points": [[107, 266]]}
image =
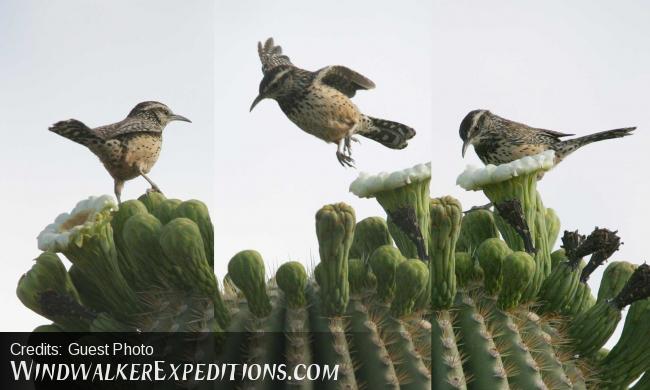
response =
{"points": [[128, 148], [319, 103], [498, 141]]}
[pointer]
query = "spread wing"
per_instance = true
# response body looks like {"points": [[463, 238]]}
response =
{"points": [[271, 55], [127, 126], [344, 79]]}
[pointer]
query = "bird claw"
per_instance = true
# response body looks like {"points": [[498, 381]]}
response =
{"points": [[345, 160], [154, 189]]}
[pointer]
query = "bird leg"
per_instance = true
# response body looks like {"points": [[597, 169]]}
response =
{"points": [[343, 152], [118, 190], [154, 187]]}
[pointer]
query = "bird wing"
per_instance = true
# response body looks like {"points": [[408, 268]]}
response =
{"points": [[271, 55], [344, 79], [554, 134], [127, 126]]}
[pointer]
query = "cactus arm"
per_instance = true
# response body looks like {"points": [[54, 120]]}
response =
{"points": [[376, 368], [330, 344], [445, 219], [483, 359], [446, 363], [335, 230]]}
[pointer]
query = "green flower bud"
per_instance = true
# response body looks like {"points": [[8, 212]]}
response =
{"points": [[491, 255], [468, 271], [246, 269], [614, 278], [552, 227], [165, 211], [384, 262], [369, 234], [518, 270], [359, 276], [476, 227], [292, 279], [152, 199], [411, 280]]}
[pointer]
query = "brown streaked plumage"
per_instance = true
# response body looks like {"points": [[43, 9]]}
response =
{"points": [[498, 140], [128, 148], [319, 103]]}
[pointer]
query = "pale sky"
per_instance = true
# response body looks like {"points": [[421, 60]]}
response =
{"points": [[576, 67]]}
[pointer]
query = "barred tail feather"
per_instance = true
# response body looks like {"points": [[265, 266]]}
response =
{"points": [[76, 131], [390, 134], [573, 144]]}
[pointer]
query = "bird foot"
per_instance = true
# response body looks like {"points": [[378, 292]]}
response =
{"points": [[345, 159], [154, 189]]}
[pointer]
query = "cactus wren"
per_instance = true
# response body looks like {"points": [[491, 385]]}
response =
{"points": [[497, 140], [319, 103], [128, 148]]}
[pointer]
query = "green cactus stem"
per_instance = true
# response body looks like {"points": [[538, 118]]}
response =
{"points": [[446, 362], [481, 356], [592, 328], [552, 227], [246, 269], [404, 195], [384, 262], [628, 359], [518, 180], [476, 226], [518, 269], [614, 279], [335, 230], [411, 278], [491, 255], [369, 234], [291, 277], [445, 218]]}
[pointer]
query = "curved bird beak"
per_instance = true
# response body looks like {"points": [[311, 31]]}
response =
{"points": [[175, 117], [258, 99], [465, 146]]}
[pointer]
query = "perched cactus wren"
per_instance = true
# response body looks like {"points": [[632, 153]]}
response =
{"points": [[319, 103], [497, 140], [128, 148]]}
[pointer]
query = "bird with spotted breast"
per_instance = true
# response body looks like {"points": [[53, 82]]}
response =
{"points": [[319, 103], [497, 140], [128, 148]]}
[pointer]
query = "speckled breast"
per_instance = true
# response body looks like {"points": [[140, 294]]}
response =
{"points": [[325, 113], [129, 154]]}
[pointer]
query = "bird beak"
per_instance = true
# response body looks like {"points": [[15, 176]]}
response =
{"points": [[175, 117], [465, 146], [258, 99]]}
